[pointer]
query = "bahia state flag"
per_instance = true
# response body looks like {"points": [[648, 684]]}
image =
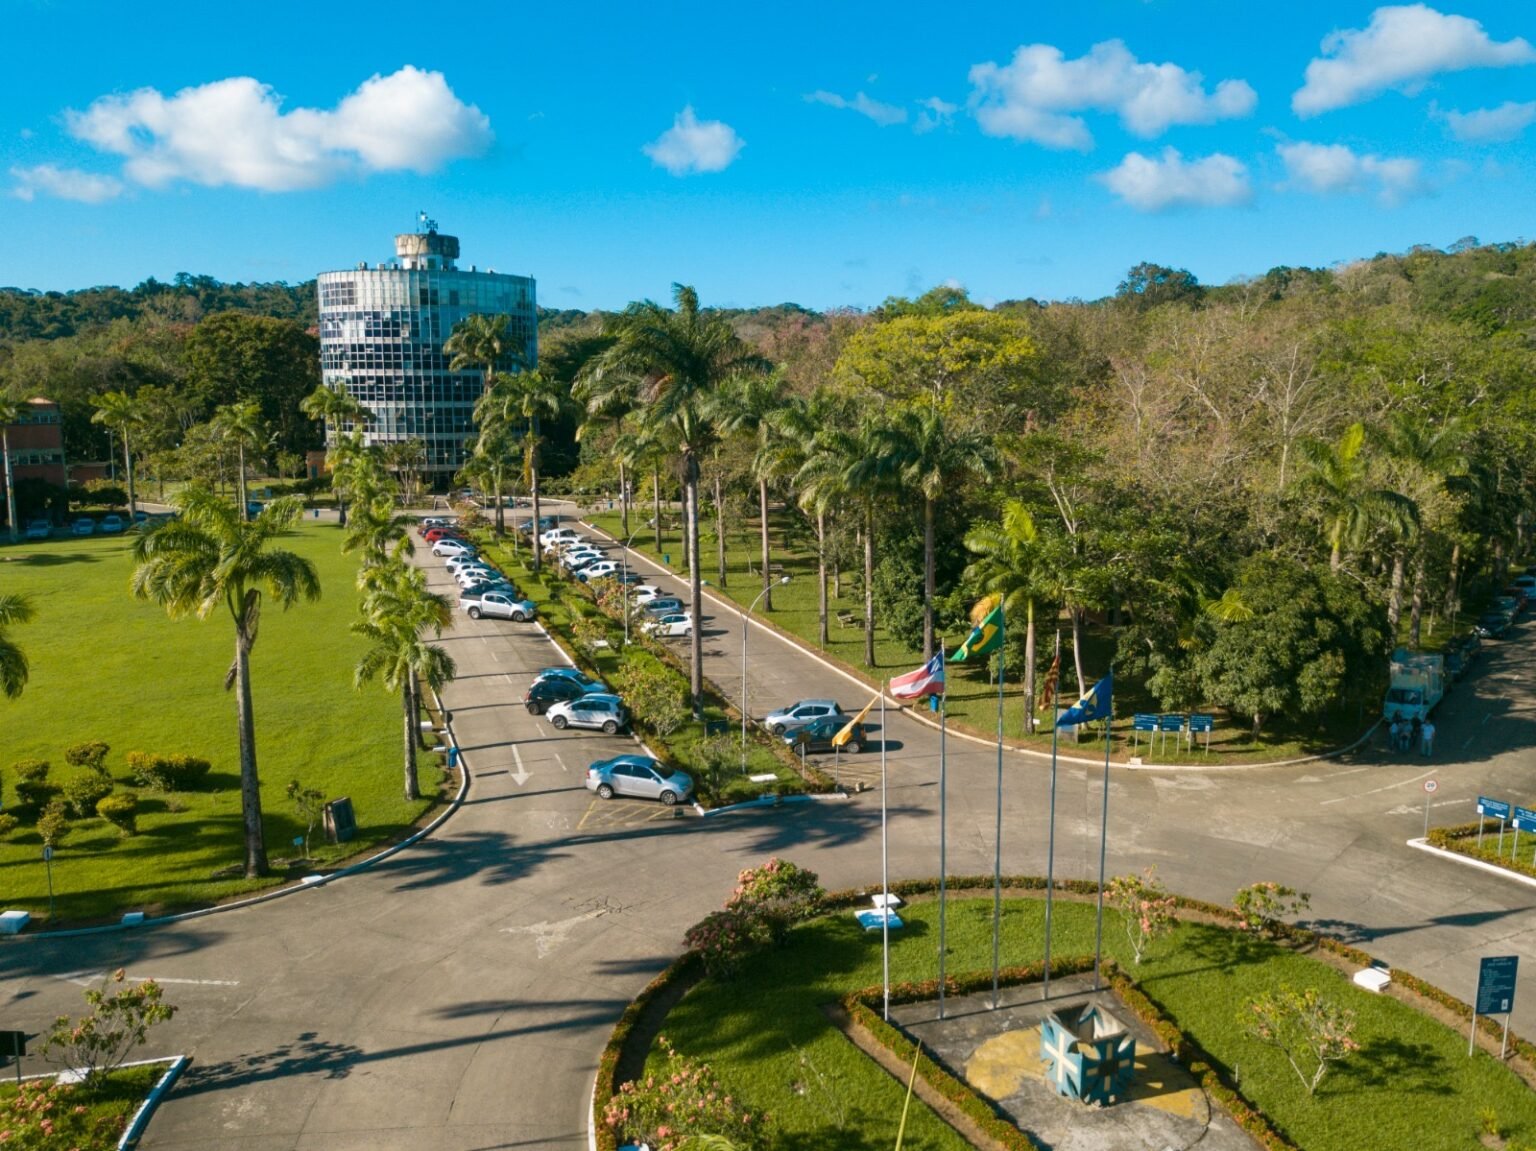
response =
{"points": [[985, 638], [1093, 705], [926, 680]]}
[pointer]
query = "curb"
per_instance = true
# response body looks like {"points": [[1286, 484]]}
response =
{"points": [[773, 801], [135, 1129], [770, 629], [1424, 845], [280, 892]]}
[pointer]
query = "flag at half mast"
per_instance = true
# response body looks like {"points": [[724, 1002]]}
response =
{"points": [[985, 638], [926, 680]]}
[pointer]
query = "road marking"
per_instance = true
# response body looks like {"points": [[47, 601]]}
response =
{"points": [[561, 762], [1418, 808], [92, 978], [521, 774], [1375, 790], [547, 936]]}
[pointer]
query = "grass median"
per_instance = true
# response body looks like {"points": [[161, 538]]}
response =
{"points": [[105, 666]]}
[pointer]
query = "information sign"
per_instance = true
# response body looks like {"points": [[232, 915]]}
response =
{"points": [[1142, 721], [1492, 808], [1201, 723], [1496, 984], [1525, 819]]}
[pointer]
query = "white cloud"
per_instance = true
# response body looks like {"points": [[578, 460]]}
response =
{"points": [[1400, 49], [234, 132], [64, 183], [936, 113], [1035, 96], [694, 145], [1171, 182], [1491, 125], [1328, 168], [883, 114]]}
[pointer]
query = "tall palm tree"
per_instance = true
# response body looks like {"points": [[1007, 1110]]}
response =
{"points": [[481, 342], [1007, 565], [14, 608], [930, 454], [381, 533], [795, 424], [398, 611], [333, 407], [121, 412], [211, 557], [241, 424], [681, 356], [523, 399], [10, 413], [1337, 476], [746, 407], [494, 439]]}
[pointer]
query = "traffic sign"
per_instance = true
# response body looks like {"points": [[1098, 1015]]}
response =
{"points": [[1496, 984], [1431, 786], [1492, 808]]}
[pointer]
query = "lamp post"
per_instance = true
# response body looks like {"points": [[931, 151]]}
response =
{"points": [[744, 615], [624, 582]]}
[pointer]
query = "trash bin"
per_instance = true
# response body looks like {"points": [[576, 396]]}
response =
{"points": [[453, 757]]}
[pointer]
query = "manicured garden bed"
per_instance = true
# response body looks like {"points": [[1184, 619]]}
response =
{"points": [[105, 666], [1501, 852], [109, 1107]]}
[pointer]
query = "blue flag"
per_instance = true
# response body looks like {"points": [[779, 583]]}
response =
{"points": [[1093, 705]]}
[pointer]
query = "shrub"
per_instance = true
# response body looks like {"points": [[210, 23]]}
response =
{"points": [[8, 823], [1146, 909], [1308, 1030], [34, 794], [121, 811], [777, 895], [100, 1040], [309, 802], [657, 696], [53, 824], [684, 1100], [92, 755], [167, 772], [30, 770], [1259, 906], [721, 939], [82, 794]]}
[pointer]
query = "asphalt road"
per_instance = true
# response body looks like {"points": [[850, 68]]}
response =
{"points": [[458, 995]]}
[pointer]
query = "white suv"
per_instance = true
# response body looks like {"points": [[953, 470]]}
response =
{"points": [[559, 537]]}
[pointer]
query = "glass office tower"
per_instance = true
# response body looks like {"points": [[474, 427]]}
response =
{"points": [[382, 331]]}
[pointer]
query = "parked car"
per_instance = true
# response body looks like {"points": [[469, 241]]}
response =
{"points": [[662, 605], [1491, 625], [111, 525], [546, 523], [639, 776], [498, 605], [670, 626], [797, 715], [543, 693], [452, 547], [579, 558], [598, 569], [463, 560], [83, 526], [1526, 583], [480, 587], [1518, 594], [1507, 604], [600, 712], [554, 537], [439, 522], [38, 529], [627, 577], [817, 735], [432, 535], [645, 593], [575, 675], [467, 574]]}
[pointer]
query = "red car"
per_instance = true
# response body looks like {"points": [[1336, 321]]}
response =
{"points": [[432, 535]]}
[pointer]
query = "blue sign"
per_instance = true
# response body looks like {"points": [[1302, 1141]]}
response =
{"points": [[1493, 808], [1171, 723], [1525, 819], [1199, 723], [1496, 984], [1143, 722]]}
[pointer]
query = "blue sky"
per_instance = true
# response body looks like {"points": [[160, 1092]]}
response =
{"points": [[827, 154]]}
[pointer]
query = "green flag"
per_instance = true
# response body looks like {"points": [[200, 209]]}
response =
{"points": [[985, 638]]}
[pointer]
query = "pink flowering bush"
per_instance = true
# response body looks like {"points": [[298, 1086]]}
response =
{"points": [[98, 1042], [1146, 910], [777, 895], [1310, 1031], [684, 1099], [45, 1116], [723, 939]]}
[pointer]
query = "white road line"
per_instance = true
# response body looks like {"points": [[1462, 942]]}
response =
{"points": [[521, 774], [1375, 790], [91, 978], [561, 762]]}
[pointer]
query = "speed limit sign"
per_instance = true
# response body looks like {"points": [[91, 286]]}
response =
{"points": [[1431, 786]]}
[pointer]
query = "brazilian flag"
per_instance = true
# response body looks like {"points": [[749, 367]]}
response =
{"points": [[985, 638]]}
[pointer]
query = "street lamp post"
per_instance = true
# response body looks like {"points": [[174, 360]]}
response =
{"points": [[624, 561], [744, 615]]}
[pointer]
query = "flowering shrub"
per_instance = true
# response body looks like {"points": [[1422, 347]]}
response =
{"points": [[1307, 1029], [1146, 910], [43, 1115], [721, 939], [683, 1100], [1259, 906], [99, 1041], [777, 895]]}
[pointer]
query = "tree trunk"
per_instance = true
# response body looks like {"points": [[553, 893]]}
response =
{"points": [[719, 530], [1077, 647], [1029, 669], [928, 581], [656, 503], [1453, 589], [1395, 595], [533, 490], [695, 584], [412, 731], [821, 575], [245, 505], [762, 511], [127, 467], [1416, 605], [250, 783], [869, 584], [10, 486]]}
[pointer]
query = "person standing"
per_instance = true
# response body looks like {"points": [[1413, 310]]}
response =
{"points": [[1413, 735], [1394, 733], [1427, 737]]}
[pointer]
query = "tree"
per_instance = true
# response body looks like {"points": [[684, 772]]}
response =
{"points": [[309, 802], [241, 424], [98, 1042], [10, 413], [398, 612], [966, 360], [379, 532], [1148, 285], [1309, 1030], [480, 341], [211, 557], [333, 407], [118, 411], [681, 355], [746, 407], [1350, 506], [275, 363], [1146, 909], [14, 609], [524, 397], [1008, 565]]}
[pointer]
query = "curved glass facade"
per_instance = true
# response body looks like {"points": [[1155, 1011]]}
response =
{"points": [[381, 334]]}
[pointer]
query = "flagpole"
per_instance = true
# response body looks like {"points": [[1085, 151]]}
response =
{"points": [[997, 856], [885, 880], [1098, 931], [1050, 841], [943, 824]]}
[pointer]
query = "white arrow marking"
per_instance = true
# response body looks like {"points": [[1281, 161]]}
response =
{"points": [[92, 978], [521, 774], [547, 936]]}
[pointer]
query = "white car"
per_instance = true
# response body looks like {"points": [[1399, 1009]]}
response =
{"points": [[598, 570], [452, 548], [557, 537], [598, 711], [580, 558], [498, 605], [475, 573], [646, 592], [464, 560], [669, 626]]}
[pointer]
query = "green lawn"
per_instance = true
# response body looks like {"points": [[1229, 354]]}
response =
{"points": [[1411, 1085], [105, 666], [972, 699], [112, 1103]]}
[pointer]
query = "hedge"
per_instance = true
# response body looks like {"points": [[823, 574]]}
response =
{"points": [[1454, 839]]}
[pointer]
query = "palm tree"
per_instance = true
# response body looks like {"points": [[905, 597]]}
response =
{"points": [[1007, 565], [398, 611], [930, 455], [241, 424], [121, 412], [681, 356], [208, 557], [747, 406], [14, 609], [483, 342], [526, 397], [334, 407], [796, 423], [381, 533], [492, 448], [10, 413], [1337, 475]]}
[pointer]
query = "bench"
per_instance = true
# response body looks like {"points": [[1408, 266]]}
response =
{"points": [[848, 619]]}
